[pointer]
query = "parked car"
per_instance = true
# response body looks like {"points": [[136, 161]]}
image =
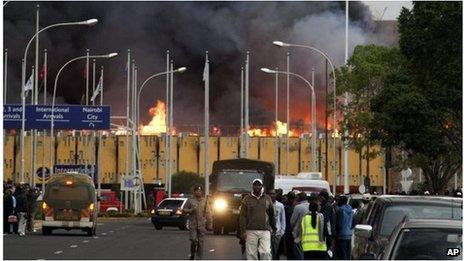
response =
{"points": [[170, 212], [358, 197], [109, 201], [388, 211], [425, 239]]}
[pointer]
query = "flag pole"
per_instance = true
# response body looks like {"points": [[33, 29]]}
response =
{"points": [[247, 102], [166, 146], [206, 129], [241, 113], [5, 74]]}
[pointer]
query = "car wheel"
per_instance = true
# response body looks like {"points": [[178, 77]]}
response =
{"points": [[46, 231], [158, 226]]}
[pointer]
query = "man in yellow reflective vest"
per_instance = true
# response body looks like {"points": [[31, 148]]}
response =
{"points": [[310, 234]]}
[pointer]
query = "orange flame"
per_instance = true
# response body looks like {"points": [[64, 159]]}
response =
{"points": [[157, 125], [281, 130]]}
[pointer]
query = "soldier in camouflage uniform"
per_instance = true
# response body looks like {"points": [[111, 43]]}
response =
{"points": [[200, 220]]}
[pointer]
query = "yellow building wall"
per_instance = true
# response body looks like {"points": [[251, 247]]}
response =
{"points": [[108, 169], [292, 156], [148, 158], [188, 158], [253, 144], [8, 157], [228, 148], [212, 152], [27, 160], [42, 155], [86, 149], [162, 157], [267, 148], [65, 150], [305, 155]]}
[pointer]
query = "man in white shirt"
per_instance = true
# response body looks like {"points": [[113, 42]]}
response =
{"points": [[280, 224]]}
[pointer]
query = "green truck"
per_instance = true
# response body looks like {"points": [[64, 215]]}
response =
{"points": [[230, 180]]}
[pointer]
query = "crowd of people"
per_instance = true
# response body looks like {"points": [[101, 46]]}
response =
{"points": [[298, 226], [19, 207]]}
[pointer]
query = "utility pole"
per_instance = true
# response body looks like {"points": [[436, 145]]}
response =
{"points": [[346, 185], [126, 201], [241, 114], [287, 147], [276, 155], [166, 145], [247, 102], [206, 134]]}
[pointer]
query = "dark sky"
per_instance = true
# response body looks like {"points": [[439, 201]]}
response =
{"points": [[226, 29]]}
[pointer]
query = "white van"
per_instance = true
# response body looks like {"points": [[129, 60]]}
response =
{"points": [[309, 182]]}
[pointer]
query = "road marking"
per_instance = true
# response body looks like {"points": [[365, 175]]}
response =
{"points": [[58, 252], [73, 246], [104, 234], [95, 237], [111, 231], [212, 250], [85, 241]]}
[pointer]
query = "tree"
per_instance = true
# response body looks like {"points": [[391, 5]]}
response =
{"points": [[363, 78], [184, 181], [419, 109]]}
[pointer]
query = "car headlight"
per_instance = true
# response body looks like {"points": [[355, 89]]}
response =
{"points": [[220, 205]]}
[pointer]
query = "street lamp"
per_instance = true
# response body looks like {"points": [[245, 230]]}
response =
{"points": [[282, 44], [313, 111], [89, 22], [111, 55]]}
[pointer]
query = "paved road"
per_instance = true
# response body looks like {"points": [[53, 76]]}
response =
{"points": [[133, 238]]}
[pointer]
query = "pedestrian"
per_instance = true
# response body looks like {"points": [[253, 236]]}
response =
{"points": [[359, 216], [241, 241], [280, 224], [288, 236], [32, 194], [309, 233], [21, 209], [328, 212], [8, 210], [343, 224], [200, 220], [257, 222], [298, 212]]}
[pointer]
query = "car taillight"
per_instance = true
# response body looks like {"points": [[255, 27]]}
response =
{"points": [[91, 207], [178, 212], [44, 206]]}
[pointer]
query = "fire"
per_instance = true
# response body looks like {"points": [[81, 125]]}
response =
{"points": [[281, 130], [157, 125]]}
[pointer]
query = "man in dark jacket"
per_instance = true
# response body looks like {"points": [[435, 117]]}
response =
{"points": [[21, 209], [257, 220], [290, 204], [8, 209], [343, 223], [329, 219]]}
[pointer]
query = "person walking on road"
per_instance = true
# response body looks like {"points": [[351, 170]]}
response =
{"points": [[328, 212], [358, 217], [343, 224], [280, 224], [288, 237], [257, 222], [309, 233], [298, 212], [200, 220], [21, 209]]}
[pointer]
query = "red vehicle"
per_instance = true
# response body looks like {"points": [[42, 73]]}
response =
{"points": [[109, 201]]}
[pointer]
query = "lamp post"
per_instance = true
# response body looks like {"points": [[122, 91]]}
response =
{"points": [[282, 44], [54, 94], [89, 22], [313, 108]]}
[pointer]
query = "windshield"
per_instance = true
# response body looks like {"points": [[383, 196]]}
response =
{"points": [[171, 203], [229, 181], [68, 193], [427, 243], [394, 214]]}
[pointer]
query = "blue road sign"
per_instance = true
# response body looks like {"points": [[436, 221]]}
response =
{"points": [[90, 170], [68, 117]]}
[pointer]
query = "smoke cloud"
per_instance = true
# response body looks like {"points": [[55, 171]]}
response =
{"points": [[187, 29]]}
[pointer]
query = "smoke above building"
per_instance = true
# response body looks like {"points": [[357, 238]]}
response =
{"points": [[227, 30]]}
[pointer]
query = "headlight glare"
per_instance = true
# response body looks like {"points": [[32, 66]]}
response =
{"points": [[220, 205]]}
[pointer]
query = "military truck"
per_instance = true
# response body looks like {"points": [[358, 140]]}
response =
{"points": [[70, 202], [230, 180]]}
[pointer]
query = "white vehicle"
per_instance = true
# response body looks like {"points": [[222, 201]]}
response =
{"points": [[308, 182]]}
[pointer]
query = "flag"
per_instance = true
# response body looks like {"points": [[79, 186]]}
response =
{"points": [[29, 85], [206, 71], [85, 71], [43, 73], [98, 89]]}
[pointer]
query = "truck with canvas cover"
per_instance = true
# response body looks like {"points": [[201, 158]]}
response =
{"points": [[229, 181]]}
